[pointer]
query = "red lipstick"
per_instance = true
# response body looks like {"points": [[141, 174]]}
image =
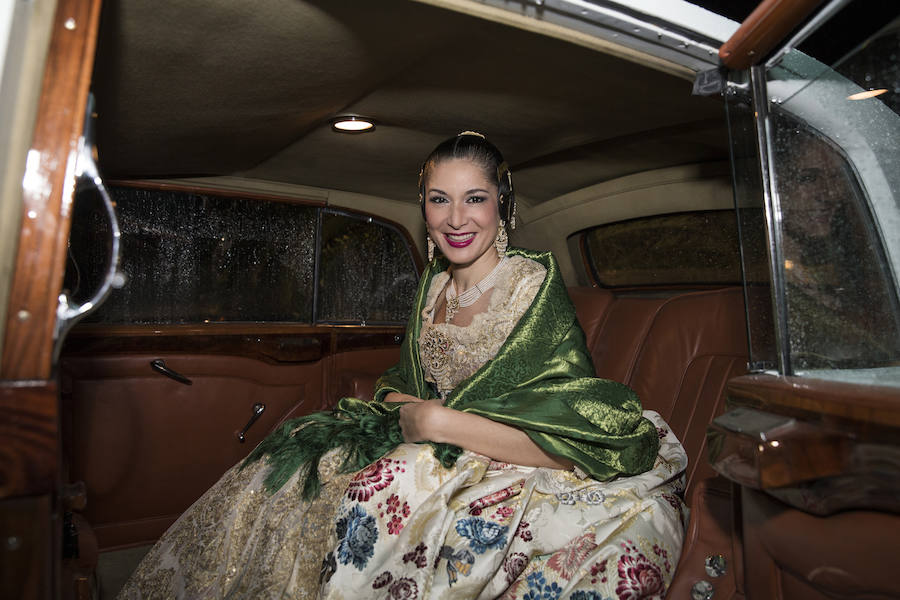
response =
{"points": [[459, 243]]}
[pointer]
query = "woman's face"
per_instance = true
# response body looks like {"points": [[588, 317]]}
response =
{"points": [[461, 212]]}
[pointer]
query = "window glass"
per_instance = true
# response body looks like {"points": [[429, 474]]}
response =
{"points": [[834, 139], [193, 258], [861, 42], [89, 249], [748, 201], [696, 248], [842, 307], [366, 271]]}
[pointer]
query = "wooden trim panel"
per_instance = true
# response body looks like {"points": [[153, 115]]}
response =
{"points": [[819, 446], [868, 407], [29, 452], [269, 342], [29, 538], [47, 193], [763, 30]]}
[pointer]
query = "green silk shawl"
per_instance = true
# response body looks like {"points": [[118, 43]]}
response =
{"points": [[542, 381]]}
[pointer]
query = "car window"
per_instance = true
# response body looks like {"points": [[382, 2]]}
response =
{"points": [[199, 258], [690, 248], [828, 142], [366, 271], [842, 309]]}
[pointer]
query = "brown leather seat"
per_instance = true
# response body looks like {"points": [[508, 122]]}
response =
{"points": [[676, 352]]}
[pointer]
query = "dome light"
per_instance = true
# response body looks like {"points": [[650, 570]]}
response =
{"points": [[352, 124]]}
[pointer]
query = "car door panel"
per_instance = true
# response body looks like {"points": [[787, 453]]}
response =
{"points": [[792, 554], [818, 470], [146, 445], [360, 358]]}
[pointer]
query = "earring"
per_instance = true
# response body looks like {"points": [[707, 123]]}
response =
{"points": [[502, 240], [430, 243]]}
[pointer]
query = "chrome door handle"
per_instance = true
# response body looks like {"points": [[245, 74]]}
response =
{"points": [[88, 176], [159, 365], [258, 409]]}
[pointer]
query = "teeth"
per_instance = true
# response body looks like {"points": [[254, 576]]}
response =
{"points": [[460, 237]]}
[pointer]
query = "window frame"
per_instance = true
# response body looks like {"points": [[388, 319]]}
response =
{"points": [[348, 213], [594, 279], [321, 207], [858, 147]]}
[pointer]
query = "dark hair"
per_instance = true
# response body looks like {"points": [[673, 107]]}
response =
{"points": [[474, 147]]}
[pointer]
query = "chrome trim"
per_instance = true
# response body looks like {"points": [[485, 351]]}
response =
{"points": [[814, 23], [622, 26], [773, 216], [67, 314], [317, 255], [159, 365], [258, 410]]}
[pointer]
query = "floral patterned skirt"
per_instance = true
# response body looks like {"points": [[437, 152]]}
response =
{"points": [[407, 528]]}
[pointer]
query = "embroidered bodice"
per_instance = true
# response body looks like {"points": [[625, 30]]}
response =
{"points": [[451, 353]]}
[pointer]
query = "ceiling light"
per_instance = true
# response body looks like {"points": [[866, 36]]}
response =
{"points": [[352, 124], [866, 94]]}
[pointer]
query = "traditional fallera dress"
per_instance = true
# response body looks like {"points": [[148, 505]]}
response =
{"points": [[434, 521]]}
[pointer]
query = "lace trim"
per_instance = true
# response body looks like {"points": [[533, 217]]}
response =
{"points": [[451, 353]]}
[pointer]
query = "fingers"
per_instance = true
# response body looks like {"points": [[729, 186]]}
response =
{"points": [[414, 420], [407, 423], [398, 397]]}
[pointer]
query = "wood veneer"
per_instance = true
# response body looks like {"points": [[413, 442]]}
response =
{"points": [[29, 453], [269, 342], [763, 30], [47, 193], [819, 446], [865, 408], [29, 477], [26, 570]]}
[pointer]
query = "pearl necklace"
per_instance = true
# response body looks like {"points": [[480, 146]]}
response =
{"points": [[468, 297]]}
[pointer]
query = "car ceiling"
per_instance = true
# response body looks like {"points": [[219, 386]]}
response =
{"points": [[187, 88]]}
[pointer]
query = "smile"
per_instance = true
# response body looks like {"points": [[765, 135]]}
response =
{"points": [[459, 240]]}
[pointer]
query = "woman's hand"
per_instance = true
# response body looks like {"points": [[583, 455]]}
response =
{"points": [[398, 397], [420, 422], [431, 421]]}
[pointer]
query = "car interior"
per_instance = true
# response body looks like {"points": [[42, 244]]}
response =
{"points": [[267, 260]]}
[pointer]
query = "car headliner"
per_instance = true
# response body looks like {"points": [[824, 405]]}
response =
{"points": [[216, 88]]}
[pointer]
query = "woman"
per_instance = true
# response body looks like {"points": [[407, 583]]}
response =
{"points": [[504, 500]]}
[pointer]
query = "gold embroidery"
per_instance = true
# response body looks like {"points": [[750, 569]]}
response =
{"points": [[451, 353], [239, 541]]}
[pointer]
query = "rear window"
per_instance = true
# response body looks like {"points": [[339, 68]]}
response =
{"points": [[199, 258], [680, 249]]}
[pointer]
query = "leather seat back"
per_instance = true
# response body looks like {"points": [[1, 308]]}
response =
{"points": [[676, 352]]}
